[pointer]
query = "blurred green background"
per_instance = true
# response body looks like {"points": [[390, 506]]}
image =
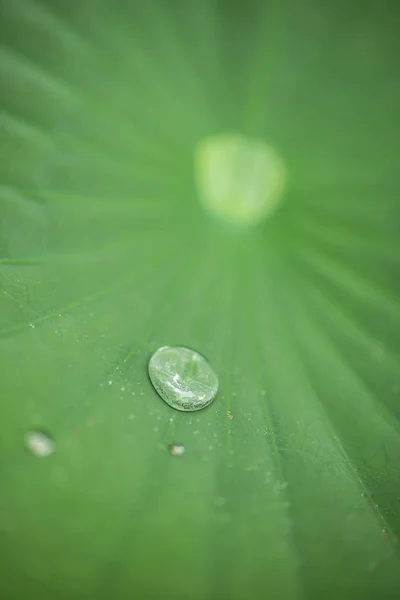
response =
{"points": [[106, 255]]}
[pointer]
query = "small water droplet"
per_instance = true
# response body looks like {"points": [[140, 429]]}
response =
{"points": [[110, 382], [183, 378], [39, 443], [176, 449], [263, 392], [131, 416], [31, 325], [122, 389]]}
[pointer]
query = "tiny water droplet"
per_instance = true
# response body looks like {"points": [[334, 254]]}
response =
{"points": [[122, 389], [39, 443], [183, 378], [176, 449], [31, 325], [110, 382]]}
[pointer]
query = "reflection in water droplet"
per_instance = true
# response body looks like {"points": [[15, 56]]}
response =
{"points": [[176, 449], [183, 378], [39, 443]]}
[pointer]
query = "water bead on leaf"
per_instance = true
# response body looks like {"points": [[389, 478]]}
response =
{"points": [[183, 378]]}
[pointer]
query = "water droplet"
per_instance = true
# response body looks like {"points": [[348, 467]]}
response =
{"points": [[122, 389], [176, 449], [31, 325], [110, 382], [183, 378], [240, 180], [39, 443]]}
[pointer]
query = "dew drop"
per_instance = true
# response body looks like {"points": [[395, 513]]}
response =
{"points": [[39, 443], [183, 378], [176, 449]]}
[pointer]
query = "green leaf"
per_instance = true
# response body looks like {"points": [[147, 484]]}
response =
{"points": [[289, 486]]}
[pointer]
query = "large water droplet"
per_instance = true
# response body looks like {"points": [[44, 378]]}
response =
{"points": [[183, 378], [240, 179]]}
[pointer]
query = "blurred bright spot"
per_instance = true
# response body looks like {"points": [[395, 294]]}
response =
{"points": [[240, 180]]}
